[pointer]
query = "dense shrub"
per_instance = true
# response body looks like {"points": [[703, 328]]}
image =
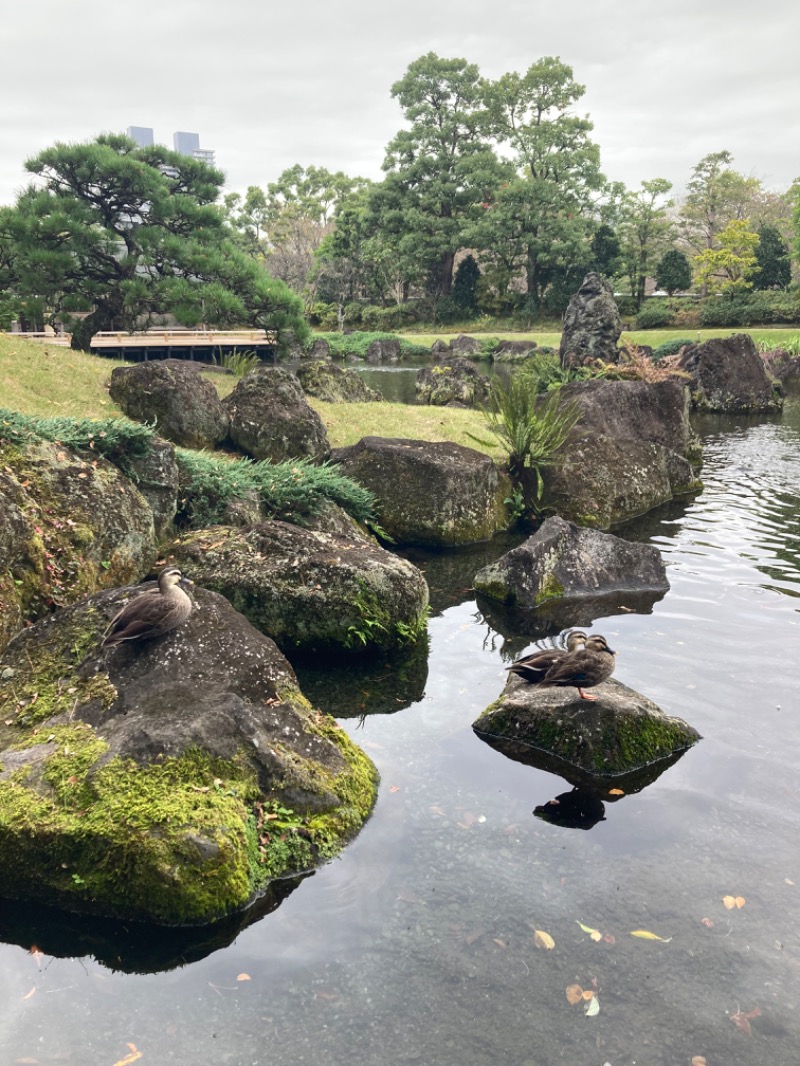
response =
{"points": [[357, 343], [626, 305], [387, 318], [671, 347], [654, 314]]}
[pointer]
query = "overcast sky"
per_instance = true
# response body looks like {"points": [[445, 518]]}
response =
{"points": [[271, 84]]}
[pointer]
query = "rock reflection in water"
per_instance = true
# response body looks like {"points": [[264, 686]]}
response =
{"points": [[131, 947]]}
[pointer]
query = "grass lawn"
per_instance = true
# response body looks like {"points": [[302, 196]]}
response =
{"points": [[652, 337]]}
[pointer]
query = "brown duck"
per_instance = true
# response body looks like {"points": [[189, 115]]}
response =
{"points": [[151, 613], [584, 668], [534, 667]]}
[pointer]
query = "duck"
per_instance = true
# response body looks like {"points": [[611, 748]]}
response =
{"points": [[534, 667], [151, 613], [584, 668]]}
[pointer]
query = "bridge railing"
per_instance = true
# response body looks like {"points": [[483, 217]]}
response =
{"points": [[166, 338]]}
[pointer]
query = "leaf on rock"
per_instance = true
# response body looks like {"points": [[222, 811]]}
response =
{"points": [[543, 940], [645, 934], [742, 1019], [616, 792], [574, 994], [733, 901]]}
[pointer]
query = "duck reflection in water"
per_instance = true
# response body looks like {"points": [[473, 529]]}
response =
{"points": [[581, 808]]}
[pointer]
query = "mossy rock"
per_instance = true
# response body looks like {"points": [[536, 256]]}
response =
{"points": [[307, 589], [620, 733], [69, 525], [168, 780]]}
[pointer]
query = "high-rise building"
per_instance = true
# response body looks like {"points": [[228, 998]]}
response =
{"points": [[189, 144], [143, 135]]}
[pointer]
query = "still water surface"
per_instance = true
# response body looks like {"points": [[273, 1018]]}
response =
{"points": [[417, 945]]}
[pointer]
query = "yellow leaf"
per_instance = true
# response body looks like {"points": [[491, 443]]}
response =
{"points": [[543, 940], [615, 792], [647, 935], [244, 977], [134, 1055], [595, 934], [733, 901], [574, 994], [592, 1007], [588, 994]]}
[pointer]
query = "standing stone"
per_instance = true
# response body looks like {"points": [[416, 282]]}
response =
{"points": [[591, 324], [270, 418]]}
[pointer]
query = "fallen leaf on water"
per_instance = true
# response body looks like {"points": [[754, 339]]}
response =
{"points": [[699, 1060], [592, 1007], [500, 943], [244, 977], [615, 792], [38, 955], [27, 1061], [788, 881], [733, 901], [708, 922], [439, 811], [329, 996], [609, 938], [595, 934], [134, 1055], [394, 788], [543, 940], [29, 994], [645, 934], [742, 1019], [574, 994], [587, 994]]}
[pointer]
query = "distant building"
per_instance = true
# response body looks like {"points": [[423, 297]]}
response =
{"points": [[143, 135]]}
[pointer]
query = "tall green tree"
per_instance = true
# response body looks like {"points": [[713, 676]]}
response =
{"points": [[645, 230], [729, 268], [130, 234], [715, 195], [547, 210], [674, 272], [438, 169], [774, 268]]}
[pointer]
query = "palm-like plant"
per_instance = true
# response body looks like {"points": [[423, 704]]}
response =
{"points": [[532, 429]]}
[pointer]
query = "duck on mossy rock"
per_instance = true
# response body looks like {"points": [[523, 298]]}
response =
{"points": [[619, 732], [140, 785], [153, 612]]}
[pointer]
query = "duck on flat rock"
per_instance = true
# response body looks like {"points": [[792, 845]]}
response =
{"points": [[151, 613], [584, 668], [533, 668]]}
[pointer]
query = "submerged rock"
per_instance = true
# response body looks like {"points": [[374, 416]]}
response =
{"points": [[620, 733], [307, 589], [270, 418], [434, 494], [563, 562], [728, 375], [183, 407], [166, 780]]}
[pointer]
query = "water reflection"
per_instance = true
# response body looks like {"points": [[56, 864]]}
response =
{"points": [[130, 947]]}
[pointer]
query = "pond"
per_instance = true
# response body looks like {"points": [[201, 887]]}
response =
{"points": [[418, 945]]}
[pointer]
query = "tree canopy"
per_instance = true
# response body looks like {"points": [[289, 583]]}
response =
{"points": [[129, 234]]}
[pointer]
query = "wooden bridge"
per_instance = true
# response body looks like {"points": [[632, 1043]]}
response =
{"points": [[201, 344]]}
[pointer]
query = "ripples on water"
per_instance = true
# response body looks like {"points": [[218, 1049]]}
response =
{"points": [[416, 946]]}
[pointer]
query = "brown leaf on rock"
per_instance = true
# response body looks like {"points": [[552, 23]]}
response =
{"points": [[742, 1019], [729, 902]]}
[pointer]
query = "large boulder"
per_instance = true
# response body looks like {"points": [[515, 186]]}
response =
{"points": [[433, 494], [309, 590], [619, 733], [168, 780], [270, 418], [156, 476], [728, 375], [69, 525], [173, 397], [603, 481], [657, 412], [562, 562], [632, 449], [466, 347], [329, 382], [514, 351], [783, 366], [592, 325], [451, 383], [319, 349], [383, 350]]}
